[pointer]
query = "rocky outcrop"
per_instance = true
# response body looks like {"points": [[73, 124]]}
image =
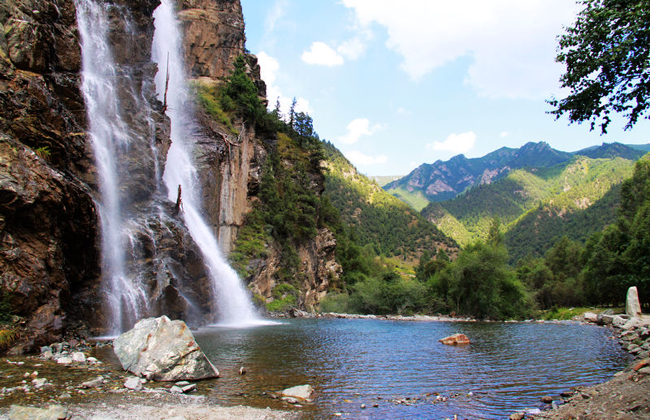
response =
{"points": [[213, 34], [455, 340], [163, 350], [318, 271], [48, 221], [632, 304]]}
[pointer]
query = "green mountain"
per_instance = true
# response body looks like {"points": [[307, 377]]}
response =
{"points": [[378, 219], [571, 198], [443, 181], [385, 179], [612, 150]]}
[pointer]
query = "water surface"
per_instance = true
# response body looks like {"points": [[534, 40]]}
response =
{"points": [[401, 367]]}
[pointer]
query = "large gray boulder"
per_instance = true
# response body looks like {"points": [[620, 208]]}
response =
{"points": [[163, 350], [632, 304]]}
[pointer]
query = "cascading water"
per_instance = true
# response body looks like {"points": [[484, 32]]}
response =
{"points": [[233, 303], [110, 137]]}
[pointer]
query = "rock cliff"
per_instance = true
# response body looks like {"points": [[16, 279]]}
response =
{"points": [[50, 236], [48, 221]]}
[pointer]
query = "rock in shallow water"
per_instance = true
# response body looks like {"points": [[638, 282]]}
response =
{"points": [[163, 350], [302, 392], [456, 339]]}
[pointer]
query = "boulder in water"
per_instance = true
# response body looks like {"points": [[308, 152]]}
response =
{"points": [[303, 392], [632, 304], [163, 350], [456, 339]]}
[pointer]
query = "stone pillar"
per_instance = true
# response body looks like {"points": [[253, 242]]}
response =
{"points": [[632, 304]]}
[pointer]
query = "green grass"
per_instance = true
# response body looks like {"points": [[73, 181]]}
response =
{"points": [[417, 200], [208, 97], [564, 314]]}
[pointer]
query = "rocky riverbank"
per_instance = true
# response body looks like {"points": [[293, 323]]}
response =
{"points": [[68, 381]]}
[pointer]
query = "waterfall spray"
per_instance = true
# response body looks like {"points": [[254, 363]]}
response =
{"points": [[110, 136], [232, 300]]}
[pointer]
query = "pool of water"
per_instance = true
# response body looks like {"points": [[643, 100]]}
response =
{"points": [[399, 369]]}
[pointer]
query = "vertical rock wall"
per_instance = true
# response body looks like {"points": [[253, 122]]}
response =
{"points": [[48, 222]]}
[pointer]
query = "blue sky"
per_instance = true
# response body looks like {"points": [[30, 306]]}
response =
{"points": [[397, 84]]}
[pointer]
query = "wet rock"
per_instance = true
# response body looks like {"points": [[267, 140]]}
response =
{"points": [[176, 390], [303, 392], [133, 383], [188, 388], [64, 360], [632, 304], [163, 350], [78, 357], [40, 383], [95, 383], [517, 416], [290, 400], [590, 317], [54, 412], [456, 339], [547, 399]]}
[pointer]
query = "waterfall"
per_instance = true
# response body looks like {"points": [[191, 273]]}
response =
{"points": [[110, 137], [180, 175]]}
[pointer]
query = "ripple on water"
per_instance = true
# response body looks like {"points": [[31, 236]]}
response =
{"points": [[508, 366]]}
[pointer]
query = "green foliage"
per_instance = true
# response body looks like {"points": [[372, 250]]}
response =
{"points": [[285, 297], [7, 337], [6, 308], [555, 280], [240, 95], [43, 152], [336, 302], [378, 219], [607, 56], [619, 257], [480, 283], [415, 199], [208, 97], [564, 314], [537, 206]]}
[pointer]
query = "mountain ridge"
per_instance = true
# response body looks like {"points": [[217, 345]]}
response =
{"points": [[445, 180]]}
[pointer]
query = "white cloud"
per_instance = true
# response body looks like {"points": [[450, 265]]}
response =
{"points": [[504, 134], [512, 43], [269, 71], [352, 48], [275, 14], [456, 143], [359, 158], [403, 111], [357, 128], [322, 54]]}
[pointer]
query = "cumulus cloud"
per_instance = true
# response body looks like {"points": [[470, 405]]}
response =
{"points": [[357, 128], [504, 134], [359, 158], [512, 43], [322, 54], [456, 143], [269, 71]]}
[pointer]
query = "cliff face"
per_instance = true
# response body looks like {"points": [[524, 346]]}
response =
{"points": [[50, 236], [231, 166], [48, 221]]}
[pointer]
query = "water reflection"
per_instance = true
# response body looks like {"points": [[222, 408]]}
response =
{"points": [[507, 367]]}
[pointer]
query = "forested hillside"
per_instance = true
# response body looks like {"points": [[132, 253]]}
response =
{"points": [[378, 219], [536, 205], [442, 181]]}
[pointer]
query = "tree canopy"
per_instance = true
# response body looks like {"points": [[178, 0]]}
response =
{"points": [[607, 58]]}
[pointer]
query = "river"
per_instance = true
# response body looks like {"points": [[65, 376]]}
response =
{"points": [[398, 369]]}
